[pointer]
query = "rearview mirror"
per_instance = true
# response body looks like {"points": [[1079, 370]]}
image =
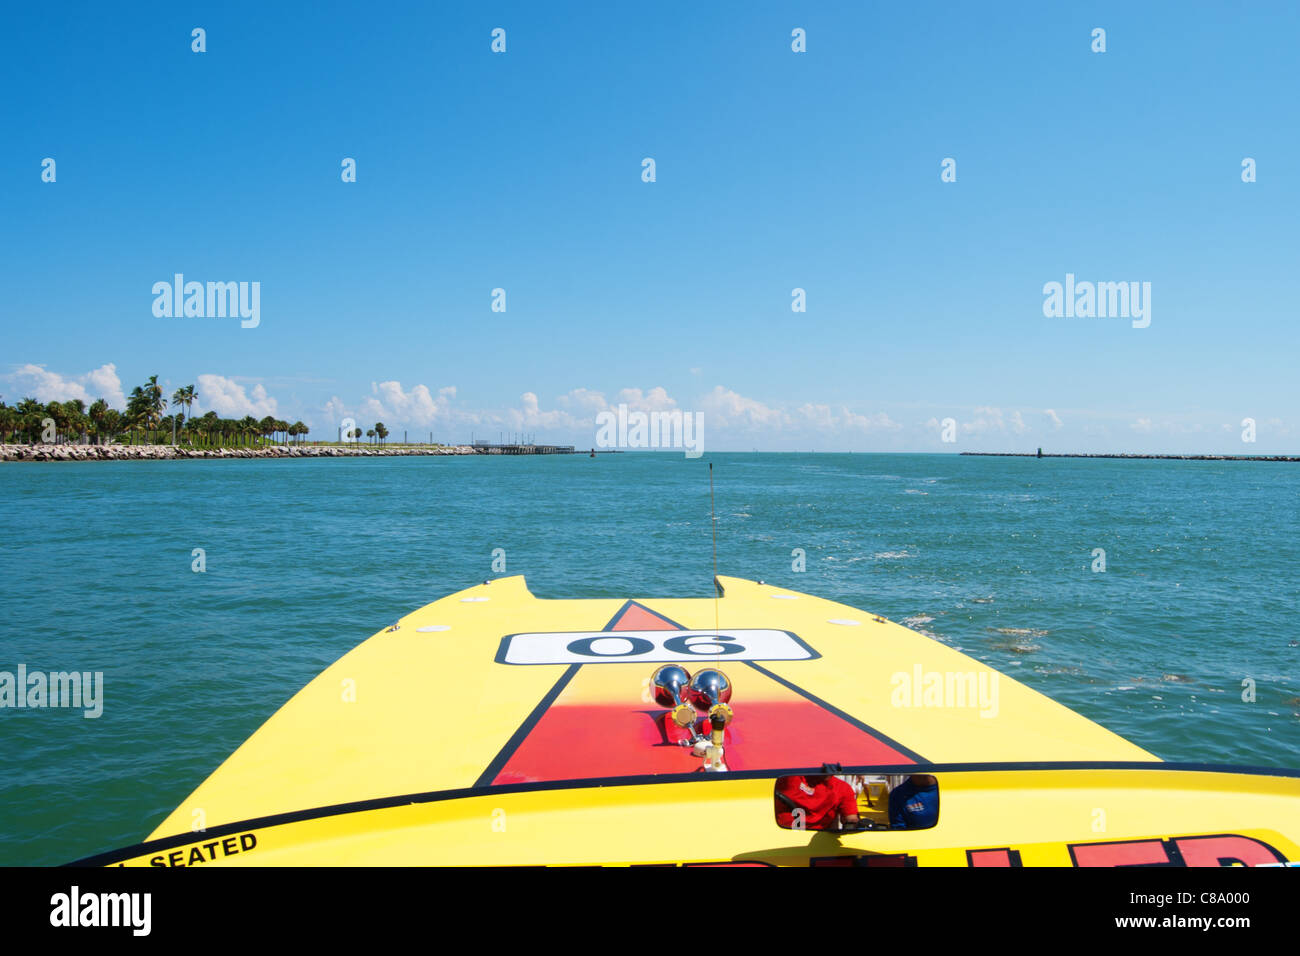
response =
{"points": [[848, 801]]}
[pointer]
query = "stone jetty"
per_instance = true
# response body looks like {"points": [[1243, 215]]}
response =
{"points": [[60, 452], [1042, 454]]}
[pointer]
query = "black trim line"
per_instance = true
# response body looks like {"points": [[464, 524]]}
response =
{"points": [[499, 761], [437, 796], [832, 709]]}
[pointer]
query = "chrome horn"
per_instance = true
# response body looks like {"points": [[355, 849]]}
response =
{"points": [[709, 691], [669, 683]]}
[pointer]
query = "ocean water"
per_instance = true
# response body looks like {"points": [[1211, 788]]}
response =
{"points": [[305, 559]]}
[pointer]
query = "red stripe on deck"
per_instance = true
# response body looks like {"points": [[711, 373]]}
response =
{"points": [[638, 617], [578, 741]]}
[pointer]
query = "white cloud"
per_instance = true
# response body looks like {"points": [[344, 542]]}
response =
{"points": [[986, 419], [416, 407], [390, 403], [731, 419], [583, 399], [104, 383], [1277, 428], [724, 408], [335, 409], [398, 407], [46, 386], [576, 410], [818, 416], [228, 399], [655, 400], [825, 418], [531, 415]]}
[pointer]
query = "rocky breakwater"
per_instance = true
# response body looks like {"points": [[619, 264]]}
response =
{"points": [[53, 452]]}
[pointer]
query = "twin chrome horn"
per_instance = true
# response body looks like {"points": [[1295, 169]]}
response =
{"points": [[707, 693]]}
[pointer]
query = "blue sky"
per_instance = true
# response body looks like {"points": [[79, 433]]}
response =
{"points": [[774, 170]]}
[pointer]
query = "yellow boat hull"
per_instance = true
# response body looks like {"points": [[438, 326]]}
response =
{"points": [[1078, 817], [493, 728]]}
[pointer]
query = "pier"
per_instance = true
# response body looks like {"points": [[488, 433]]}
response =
{"points": [[487, 448]]}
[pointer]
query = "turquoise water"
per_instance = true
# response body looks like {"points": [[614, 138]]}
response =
{"points": [[307, 558]]}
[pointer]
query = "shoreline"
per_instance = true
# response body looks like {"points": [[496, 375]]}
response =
{"points": [[75, 452], [1030, 454], [64, 452]]}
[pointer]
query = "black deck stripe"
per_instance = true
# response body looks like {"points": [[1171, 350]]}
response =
{"points": [[436, 796], [832, 709], [499, 761]]}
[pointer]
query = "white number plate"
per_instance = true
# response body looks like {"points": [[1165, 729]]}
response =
{"points": [[621, 647]]}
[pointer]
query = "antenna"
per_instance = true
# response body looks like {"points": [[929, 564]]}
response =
{"points": [[713, 517]]}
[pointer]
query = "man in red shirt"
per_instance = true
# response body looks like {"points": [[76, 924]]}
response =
{"points": [[815, 802]]}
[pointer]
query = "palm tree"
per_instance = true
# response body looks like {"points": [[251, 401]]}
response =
{"points": [[156, 401], [209, 425], [8, 421], [184, 397], [97, 409], [75, 421], [112, 425], [135, 409], [145, 406], [30, 412], [370, 433], [56, 411], [381, 431]]}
